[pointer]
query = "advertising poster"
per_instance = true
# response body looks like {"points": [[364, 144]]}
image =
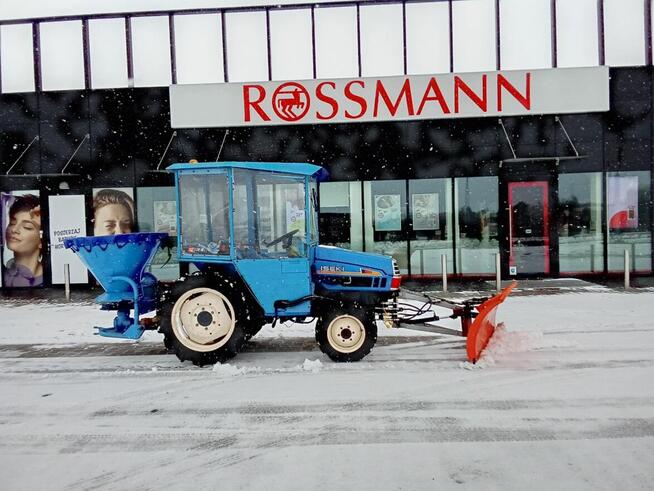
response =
{"points": [[22, 238], [67, 221], [165, 217], [425, 211], [294, 217], [113, 211], [623, 202], [388, 213]]}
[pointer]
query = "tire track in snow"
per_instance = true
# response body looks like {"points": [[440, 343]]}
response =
{"points": [[270, 434]]}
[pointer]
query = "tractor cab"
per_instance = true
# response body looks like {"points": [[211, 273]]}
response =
{"points": [[259, 219]]}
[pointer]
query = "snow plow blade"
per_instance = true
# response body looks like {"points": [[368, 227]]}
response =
{"points": [[483, 326]]}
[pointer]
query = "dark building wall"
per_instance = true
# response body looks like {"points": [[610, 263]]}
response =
{"points": [[129, 129]]}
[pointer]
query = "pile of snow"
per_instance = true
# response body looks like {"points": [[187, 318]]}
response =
{"points": [[226, 370], [311, 366], [504, 342]]}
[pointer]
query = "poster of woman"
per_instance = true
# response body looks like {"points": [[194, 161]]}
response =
{"points": [[388, 214], [113, 211], [22, 235]]}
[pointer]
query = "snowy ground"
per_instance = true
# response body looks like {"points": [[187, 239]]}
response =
{"points": [[563, 400]]}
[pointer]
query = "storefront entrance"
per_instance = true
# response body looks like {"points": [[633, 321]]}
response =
{"points": [[529, 237], [529, 240]]}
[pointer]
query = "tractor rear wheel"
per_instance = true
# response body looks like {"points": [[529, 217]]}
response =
{"points": [[346, 334], [204, 321]]}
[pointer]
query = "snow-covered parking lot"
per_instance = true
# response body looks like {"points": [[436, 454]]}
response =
{"points": [[565, 400]]}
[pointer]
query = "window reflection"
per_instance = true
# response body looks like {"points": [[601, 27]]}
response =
{"points": [[580, 222], [269, 215], [340, 215], [430, 226], [386, 220], [477, 240], [157, 212], [628, 219], [204, 214]]}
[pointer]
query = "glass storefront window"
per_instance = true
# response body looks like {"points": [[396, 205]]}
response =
{"points": [[340, 215], [157, 212], [629, 222], [580, 222], [385, 220], [430, 225], [477, 207]]}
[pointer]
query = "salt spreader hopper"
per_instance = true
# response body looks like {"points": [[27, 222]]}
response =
{"points": [[251, 230]]}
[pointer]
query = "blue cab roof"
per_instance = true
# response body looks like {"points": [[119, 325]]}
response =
{"points": [[301, 169]]}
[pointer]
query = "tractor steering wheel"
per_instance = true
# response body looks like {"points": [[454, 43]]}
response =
{"points": [[286, 238]]}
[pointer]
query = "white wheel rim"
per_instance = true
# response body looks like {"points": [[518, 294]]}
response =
{"points": [[203, 319], [346, 334]]}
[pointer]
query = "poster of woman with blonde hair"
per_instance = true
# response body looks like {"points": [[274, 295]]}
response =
{"points": [[22, 236]]}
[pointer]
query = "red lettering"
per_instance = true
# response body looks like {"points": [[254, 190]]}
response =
{"points": [[481, 102], [355, 98], [247, 103], [405, 93], [326, 99], [525, 100], [432, 86]]}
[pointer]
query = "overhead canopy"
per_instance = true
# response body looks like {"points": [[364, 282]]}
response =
{"points": [[300, 169]]}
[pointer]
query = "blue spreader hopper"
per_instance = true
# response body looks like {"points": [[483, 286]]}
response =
{"points": [[119, 262]]}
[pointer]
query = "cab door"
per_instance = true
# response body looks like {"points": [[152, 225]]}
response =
{"points": [[271, 250]]}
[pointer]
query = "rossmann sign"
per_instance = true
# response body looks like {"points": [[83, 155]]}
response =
{"points": [[405, 98]]}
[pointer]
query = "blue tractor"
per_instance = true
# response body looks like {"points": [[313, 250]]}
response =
{"points": [[251, 232]]}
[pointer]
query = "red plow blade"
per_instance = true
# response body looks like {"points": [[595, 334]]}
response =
{"points": [[483, 326]]}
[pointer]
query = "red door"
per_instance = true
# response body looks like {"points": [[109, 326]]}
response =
{"points": [[529, 237]]}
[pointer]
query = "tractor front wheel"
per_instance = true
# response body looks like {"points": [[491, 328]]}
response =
{"points": [[204, 322], [346, 334]]}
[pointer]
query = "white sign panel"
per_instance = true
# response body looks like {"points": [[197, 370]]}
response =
{"points": [[67, 221], [465, 95]]}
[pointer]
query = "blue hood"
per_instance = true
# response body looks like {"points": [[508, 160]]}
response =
{"points": [[355, 258]]}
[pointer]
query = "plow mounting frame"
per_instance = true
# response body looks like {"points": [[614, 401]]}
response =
{"points": [[477, 316]]}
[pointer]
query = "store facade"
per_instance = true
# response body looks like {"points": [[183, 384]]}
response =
{"points": [[555, 194]]}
